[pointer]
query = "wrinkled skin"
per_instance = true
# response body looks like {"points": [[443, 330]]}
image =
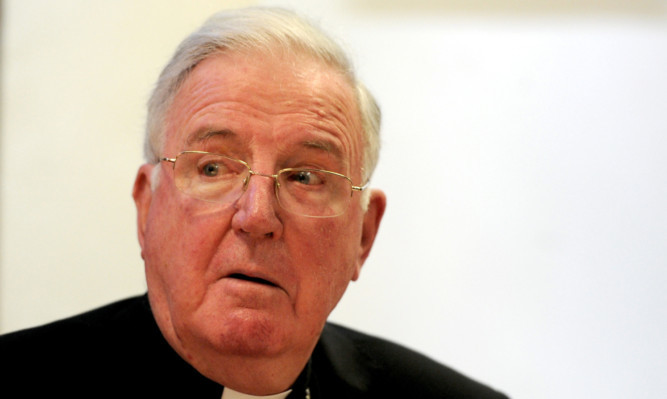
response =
{"points": [[254, 334]]}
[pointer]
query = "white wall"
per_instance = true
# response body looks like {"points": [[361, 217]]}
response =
{"points": [[524, 161]]}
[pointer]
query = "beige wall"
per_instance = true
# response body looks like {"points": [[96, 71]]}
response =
{"points": [[524, 160]]}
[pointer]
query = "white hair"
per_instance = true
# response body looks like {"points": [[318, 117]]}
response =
{"points": [[253, 29]]}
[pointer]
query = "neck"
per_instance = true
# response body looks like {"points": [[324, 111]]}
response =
{"points": [[245, 365], [256, 377], [299, 389]]}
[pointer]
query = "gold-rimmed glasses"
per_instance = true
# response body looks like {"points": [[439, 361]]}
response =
{"points": [[218, 178]]}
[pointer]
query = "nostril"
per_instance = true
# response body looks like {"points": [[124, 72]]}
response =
{"points": [[256, 213]]}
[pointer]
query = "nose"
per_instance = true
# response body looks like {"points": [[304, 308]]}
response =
{"points": [[256, 208]]}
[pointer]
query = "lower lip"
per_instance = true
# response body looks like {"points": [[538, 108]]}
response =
{"points": [[244, 294], [234, 284]]}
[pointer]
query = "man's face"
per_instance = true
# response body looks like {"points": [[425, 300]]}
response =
{"points": [[248, 278]]}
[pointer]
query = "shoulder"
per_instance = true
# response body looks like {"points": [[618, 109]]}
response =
{"points": [[116, 347], [77, 344], [378, 367], [92, 325]]}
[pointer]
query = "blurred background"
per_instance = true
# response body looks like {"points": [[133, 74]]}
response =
{"points": [[524, 158]]}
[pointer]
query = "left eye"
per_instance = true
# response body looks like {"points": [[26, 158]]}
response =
{"points": [[306, 177]]}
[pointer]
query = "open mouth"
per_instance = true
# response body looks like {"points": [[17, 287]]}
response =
{"points": [[252, 279]]}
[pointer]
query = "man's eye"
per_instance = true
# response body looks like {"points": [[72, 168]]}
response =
{"points": [[210, 169], [306, 177]]}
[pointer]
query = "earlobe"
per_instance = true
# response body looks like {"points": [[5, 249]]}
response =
{"points": [[371, 225], [143, 195]]}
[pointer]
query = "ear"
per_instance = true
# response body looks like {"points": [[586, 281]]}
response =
{"points": [[371, 225], [143, 195]]}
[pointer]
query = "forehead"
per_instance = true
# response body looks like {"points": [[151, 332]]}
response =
{"points": [[280, 97]]}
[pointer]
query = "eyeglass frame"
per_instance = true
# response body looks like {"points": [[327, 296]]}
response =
{"points": [[276, 183]]}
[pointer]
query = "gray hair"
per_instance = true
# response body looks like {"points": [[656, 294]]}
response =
{"points": [[252, 29]]}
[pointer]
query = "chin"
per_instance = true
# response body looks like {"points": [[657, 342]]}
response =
{"points": [[248, 334]]}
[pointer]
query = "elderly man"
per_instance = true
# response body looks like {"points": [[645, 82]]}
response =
{"points": [[253, 217]]}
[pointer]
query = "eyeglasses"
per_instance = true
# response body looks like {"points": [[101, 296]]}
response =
{"points": [[302, 191]]}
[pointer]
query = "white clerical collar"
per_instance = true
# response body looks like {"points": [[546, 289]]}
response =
{"points": [[232, 394]]}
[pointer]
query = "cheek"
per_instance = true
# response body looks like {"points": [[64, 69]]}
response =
{"points": [[181, 239], [329, 257]]}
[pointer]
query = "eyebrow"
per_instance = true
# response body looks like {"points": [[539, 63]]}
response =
{"points": [[207, 134], [321, 145], [325, 146]]}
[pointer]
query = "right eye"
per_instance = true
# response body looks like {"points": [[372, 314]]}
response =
{"points": [[210, 169]]}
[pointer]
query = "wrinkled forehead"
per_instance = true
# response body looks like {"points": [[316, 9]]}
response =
{"points": [[254, 83]]}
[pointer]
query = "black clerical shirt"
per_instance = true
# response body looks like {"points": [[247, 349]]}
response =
{"points": [[118, 351]]}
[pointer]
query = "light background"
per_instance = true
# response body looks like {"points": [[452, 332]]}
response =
{"points": [[524, 159]]}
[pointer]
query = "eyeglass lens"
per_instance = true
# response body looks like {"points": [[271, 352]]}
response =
{"points": [[217, 178]]}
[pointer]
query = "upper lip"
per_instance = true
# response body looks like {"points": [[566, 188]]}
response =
{"points": [[252, 278], [256, 277]]}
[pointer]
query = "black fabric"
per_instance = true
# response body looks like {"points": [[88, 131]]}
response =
{"points": [[118, 351], [349, 364]]}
